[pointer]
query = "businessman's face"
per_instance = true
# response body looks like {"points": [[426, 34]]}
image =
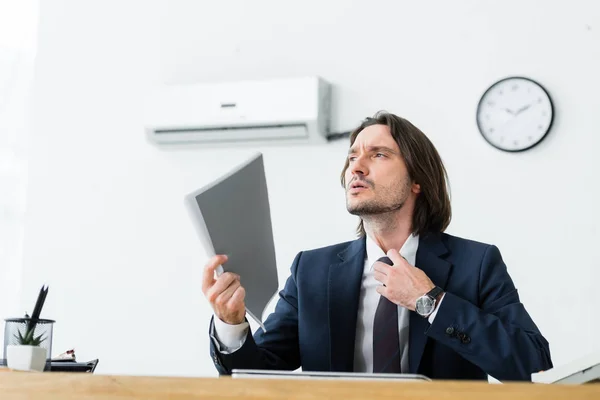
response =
{"points": [[376, 179]]}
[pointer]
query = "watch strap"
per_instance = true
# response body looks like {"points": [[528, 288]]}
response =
{"points": [[435, 292]]}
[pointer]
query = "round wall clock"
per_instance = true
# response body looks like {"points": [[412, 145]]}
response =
{"points": [[515, 114]]}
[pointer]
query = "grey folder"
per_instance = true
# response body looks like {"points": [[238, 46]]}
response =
{"points": [[233, 217]]}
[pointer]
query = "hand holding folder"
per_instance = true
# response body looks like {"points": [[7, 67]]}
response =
{"points": [[232, 216], [225, 293]]}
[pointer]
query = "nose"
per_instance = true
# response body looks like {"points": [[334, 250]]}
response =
{"points": [[358, 166]]}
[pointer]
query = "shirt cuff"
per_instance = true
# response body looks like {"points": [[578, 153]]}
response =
{"points": [[434, 313], [229, 338]]}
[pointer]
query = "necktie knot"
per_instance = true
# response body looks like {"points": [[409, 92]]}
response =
{"points": [[386, 260]]}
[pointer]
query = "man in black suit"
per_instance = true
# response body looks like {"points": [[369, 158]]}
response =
{"points": [[403, 297]]}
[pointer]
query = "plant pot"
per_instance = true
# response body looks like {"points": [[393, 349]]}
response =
{"points": [[26, 358]]}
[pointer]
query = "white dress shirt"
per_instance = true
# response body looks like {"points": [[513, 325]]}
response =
{"points": [[230, 338]]}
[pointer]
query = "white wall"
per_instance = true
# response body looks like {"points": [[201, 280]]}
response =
{"points": [[106, 227], [18, 39]]}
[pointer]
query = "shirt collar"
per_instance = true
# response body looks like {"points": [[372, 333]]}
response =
{"points": [[408, 250]]}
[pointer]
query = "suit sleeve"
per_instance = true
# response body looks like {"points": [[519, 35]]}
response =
{"points": [[499, 336], [275, 349]]}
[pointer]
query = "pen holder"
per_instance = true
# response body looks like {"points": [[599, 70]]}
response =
{"points": [[20, 340]]}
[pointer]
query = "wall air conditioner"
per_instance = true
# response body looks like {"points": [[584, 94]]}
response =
{"points": [[288, 111]]}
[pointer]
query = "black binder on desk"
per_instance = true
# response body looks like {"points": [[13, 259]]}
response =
{"points": [[72, 366]]}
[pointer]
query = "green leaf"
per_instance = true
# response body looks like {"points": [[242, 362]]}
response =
{"points": [[19, 338], [37, 340], [29, 336], [29, 339]]}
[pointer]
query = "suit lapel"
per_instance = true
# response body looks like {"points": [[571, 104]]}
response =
{"points": [[344, 283], [429, 259]]}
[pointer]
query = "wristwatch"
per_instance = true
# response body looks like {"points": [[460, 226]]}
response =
{"points": [[426, 303]]}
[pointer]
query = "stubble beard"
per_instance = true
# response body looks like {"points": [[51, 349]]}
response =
{"points": [[387, 200]]}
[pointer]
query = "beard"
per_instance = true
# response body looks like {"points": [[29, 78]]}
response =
{"points": [[373, 207], [386, 199]]}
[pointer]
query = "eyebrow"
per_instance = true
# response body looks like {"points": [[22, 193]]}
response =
{"points": [[375, 149]]}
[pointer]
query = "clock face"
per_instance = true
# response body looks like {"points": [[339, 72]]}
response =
{"points": [[515, 114]]}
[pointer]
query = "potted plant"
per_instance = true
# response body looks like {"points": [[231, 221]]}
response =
{"points": [[27, 355]]}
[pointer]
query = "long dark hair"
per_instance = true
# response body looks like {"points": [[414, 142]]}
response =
{"points": [[425, 167]]}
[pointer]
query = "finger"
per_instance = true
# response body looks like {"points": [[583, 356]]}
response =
{"points": [[381, 267], [223, 282], [208, 277], [238, 297], [382, 290], [380, 277], [224, 297], [396, 258]]}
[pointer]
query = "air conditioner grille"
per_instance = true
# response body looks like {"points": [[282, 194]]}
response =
{"points": [[250, 133], [250, 128]]}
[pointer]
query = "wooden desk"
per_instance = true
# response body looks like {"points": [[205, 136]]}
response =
{"points": [[21, 385]]}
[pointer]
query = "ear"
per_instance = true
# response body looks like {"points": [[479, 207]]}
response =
{"points": [[416, 188]]}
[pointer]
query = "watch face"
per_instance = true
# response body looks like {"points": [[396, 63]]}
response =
{"points": [[515, 114], [424, 305]]}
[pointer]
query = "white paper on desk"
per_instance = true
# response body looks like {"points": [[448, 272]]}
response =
{"points": [[314, 375], [582, 370], [232, 216]]}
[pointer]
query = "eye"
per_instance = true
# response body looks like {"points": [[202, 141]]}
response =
{"points": [[380, 155], [351, 158]]}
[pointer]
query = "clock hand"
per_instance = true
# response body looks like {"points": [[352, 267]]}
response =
{"points": [[508, 110], [520, 110]]}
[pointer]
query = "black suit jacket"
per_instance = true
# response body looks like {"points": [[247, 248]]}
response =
{"points": [[481, 326]]}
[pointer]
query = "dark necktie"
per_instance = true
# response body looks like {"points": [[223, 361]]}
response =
{"points": [[386, 339]]}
